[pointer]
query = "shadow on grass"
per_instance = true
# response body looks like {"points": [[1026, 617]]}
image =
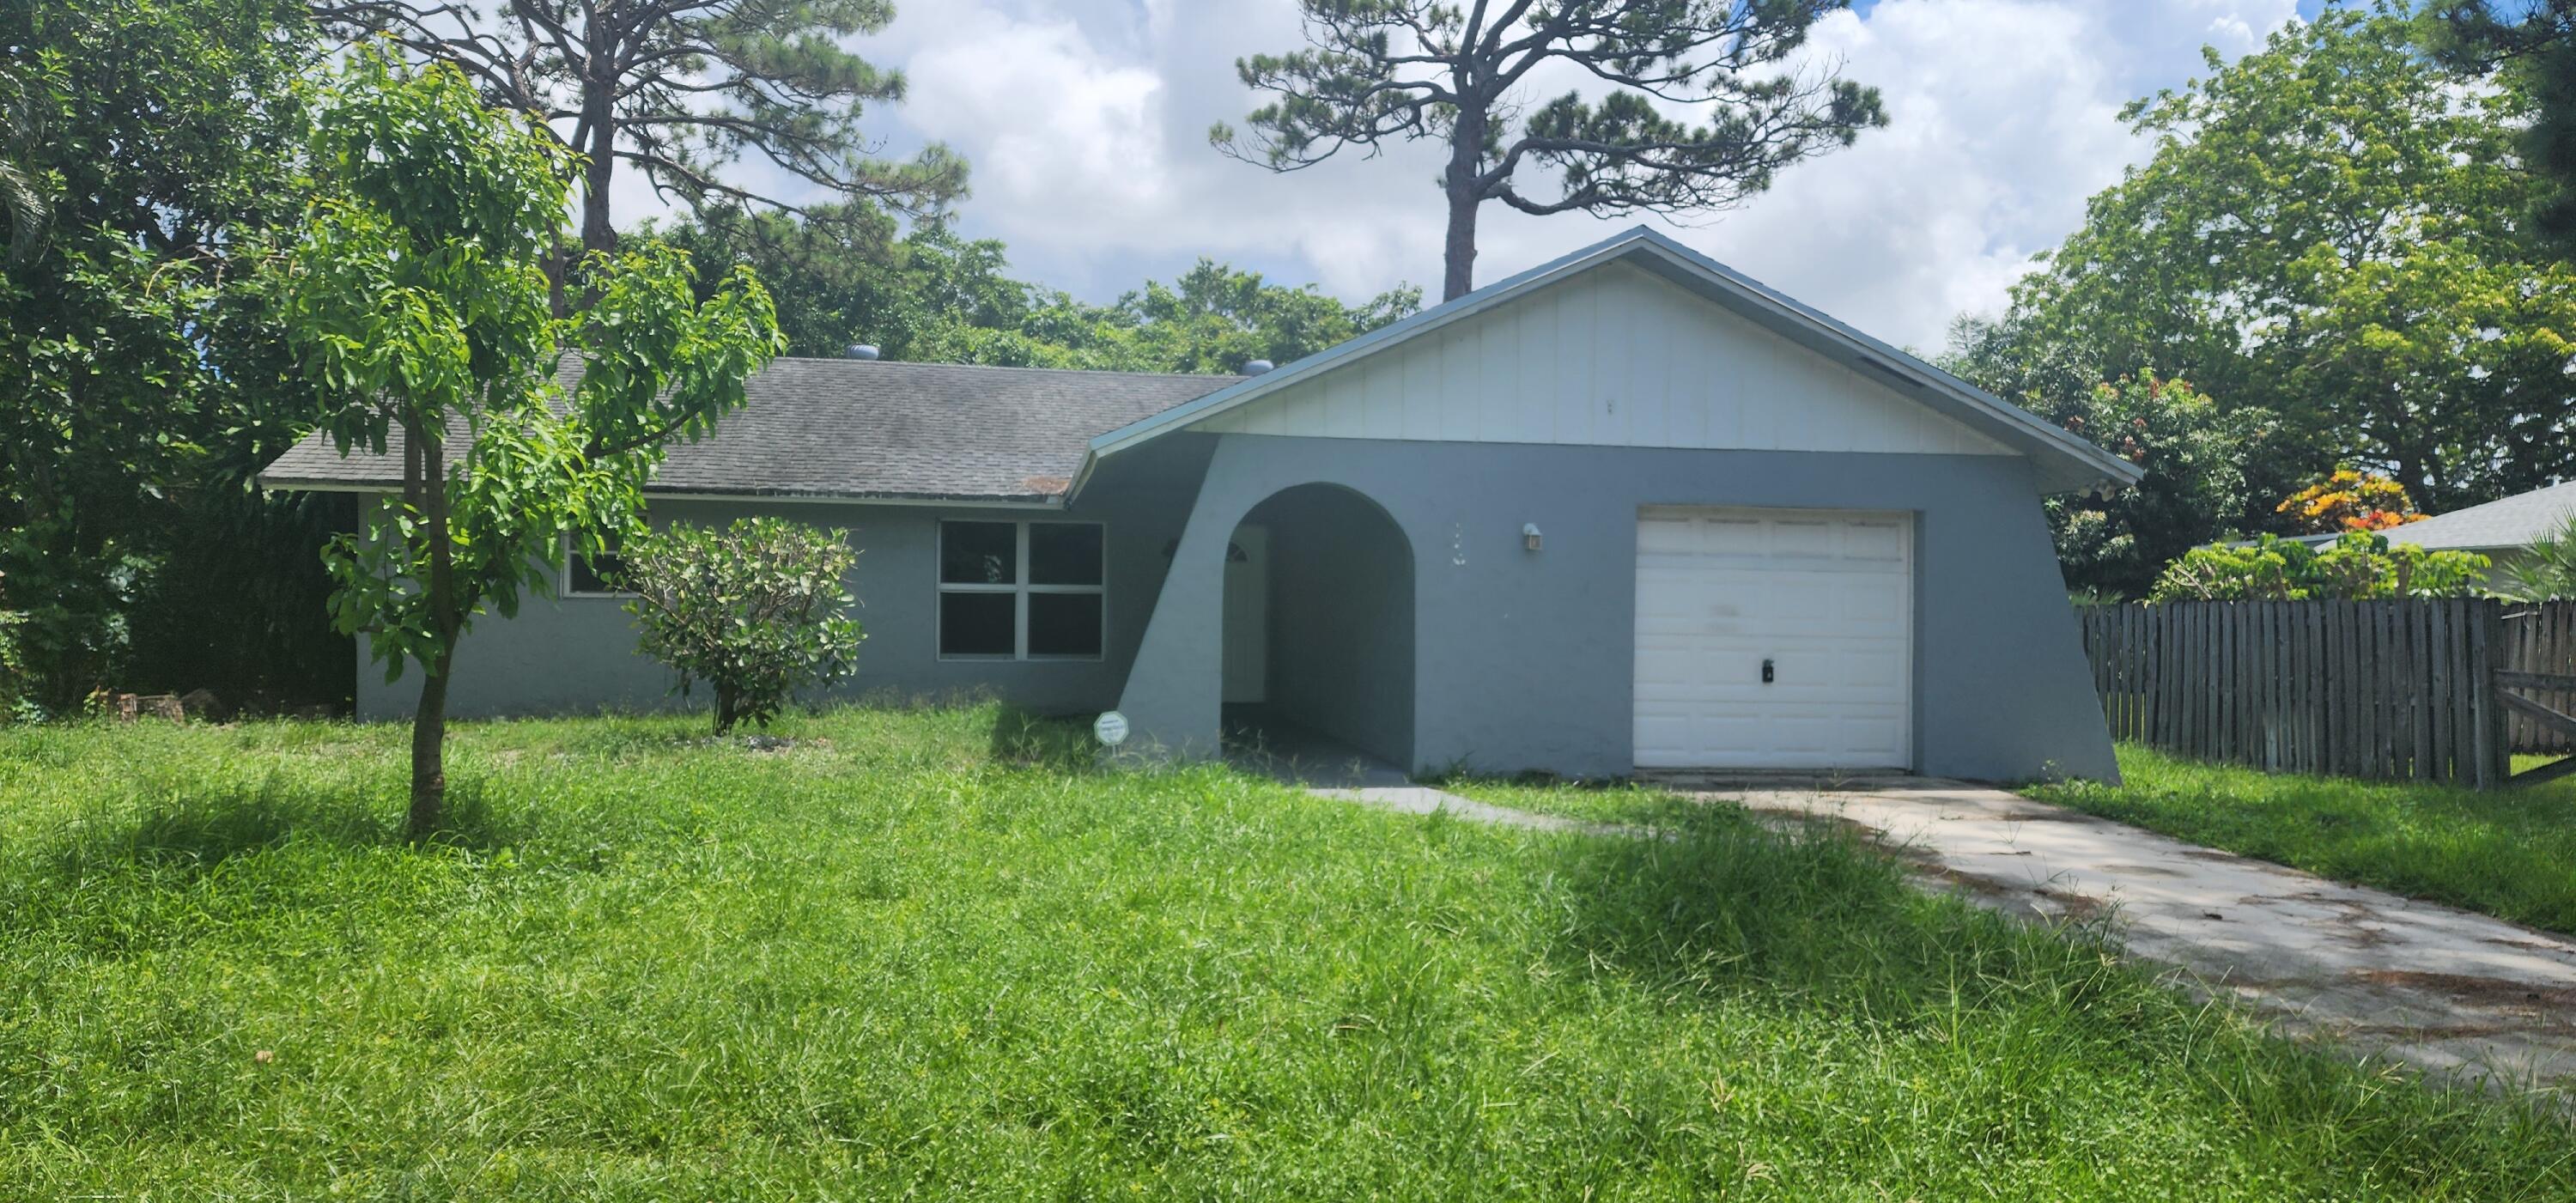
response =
{"points": [[191, 833]]}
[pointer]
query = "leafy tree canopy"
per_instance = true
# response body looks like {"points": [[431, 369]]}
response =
{"points": [[2192, 450], [417, 302], [147, 143], [931, 296], [679, 90], [2328, 233]]}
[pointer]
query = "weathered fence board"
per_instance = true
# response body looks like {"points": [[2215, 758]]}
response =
{"points": [[2391, 689], [2541, 638]]}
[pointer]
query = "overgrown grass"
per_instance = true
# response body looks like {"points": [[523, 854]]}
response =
{"points": [[2510, 853], [1623, 802], [933, 954]]}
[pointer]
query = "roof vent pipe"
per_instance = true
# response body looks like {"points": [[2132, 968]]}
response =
{"points": [[862, 351], [1257, 367]]}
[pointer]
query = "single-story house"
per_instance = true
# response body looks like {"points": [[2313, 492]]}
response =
{"points": [[2501, 530], [1626, 510]]}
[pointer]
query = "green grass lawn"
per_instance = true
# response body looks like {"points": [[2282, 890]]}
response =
{"points": [[896, 959], [2510, 852], [1623, 802]]}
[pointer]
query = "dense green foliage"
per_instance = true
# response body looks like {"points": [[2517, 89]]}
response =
{"points": [[678, 90], [2505, 852], [2535, 41], [898, 958], [757, 610], [2546, 570], [2328, 235], [2192, 450], [149, 144], [2356, 566], [415, 297], [847, 277], [1384, 71]]}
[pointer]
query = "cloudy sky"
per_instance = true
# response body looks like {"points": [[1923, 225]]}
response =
{"points": [[1085, 122]]}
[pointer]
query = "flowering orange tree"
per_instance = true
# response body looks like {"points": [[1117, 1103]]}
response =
{"points": [[2349, 500]]}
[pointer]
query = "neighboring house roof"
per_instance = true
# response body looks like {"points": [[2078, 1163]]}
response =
{"points": [[2065, 462], [849, 428], [2516, 521]]}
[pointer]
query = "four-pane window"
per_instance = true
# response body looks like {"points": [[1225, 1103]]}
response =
{"points": [[1021, 590], [594, 575]]}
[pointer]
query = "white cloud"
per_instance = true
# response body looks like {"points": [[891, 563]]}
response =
{"points": [[1085, 122]]}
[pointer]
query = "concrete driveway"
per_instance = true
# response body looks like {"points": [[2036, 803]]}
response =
{"points": [[2443, 989]]}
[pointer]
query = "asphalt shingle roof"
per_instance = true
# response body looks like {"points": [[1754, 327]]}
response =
{"points": [[864, 428], [2515, 521]]}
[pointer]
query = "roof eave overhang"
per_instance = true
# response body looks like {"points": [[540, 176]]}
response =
{"points": [[1051, 501], [2063, 462]]}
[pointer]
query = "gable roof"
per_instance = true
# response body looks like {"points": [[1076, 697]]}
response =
{"points": [[2064, 462], [2516, 521], [826, 429]]}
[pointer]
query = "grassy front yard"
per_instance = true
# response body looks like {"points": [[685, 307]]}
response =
{"points": [[2510, 853], [898, 959]]}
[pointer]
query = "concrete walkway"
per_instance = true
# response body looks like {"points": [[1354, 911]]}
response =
{"points": [[2442, 989]]}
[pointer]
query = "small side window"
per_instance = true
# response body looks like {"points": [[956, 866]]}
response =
{"points": [[597, 575]]}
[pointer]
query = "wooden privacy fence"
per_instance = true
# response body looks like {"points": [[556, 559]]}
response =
{"points": [[2392, 689], [2539, 642]]}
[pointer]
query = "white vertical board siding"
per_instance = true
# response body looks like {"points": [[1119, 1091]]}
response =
{"points": [[1827, 596], [1615, 356]]}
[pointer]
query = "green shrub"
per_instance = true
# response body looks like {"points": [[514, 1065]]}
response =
{"points": [[2547, 571], [13, 667], [2356, 567], [757, 610]]}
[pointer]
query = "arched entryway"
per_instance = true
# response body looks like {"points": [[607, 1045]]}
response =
{"points": [[1318, 642]]}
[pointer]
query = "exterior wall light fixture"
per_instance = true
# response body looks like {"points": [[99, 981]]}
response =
{"points": [[1529, 535]]}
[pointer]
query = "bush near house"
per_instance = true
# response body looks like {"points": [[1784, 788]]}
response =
{"points": [[914, 955], [757, 610], [2359, 566]]}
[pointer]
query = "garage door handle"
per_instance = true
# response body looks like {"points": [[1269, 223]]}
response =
{"points": [[1766, 671]]}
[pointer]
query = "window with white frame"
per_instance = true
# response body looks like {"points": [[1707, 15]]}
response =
{"points": [[1021, 590], [594, 575]]}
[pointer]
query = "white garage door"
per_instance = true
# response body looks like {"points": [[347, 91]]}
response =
{"points": [[1824, 596]]}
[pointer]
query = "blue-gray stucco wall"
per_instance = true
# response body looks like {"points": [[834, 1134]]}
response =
{"points": [[1523, 660], [578, 655], [1341, 619]]}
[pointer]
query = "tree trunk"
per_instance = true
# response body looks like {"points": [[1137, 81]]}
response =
{"points": [[429, 749], [596, 232], [724, 710], [1466, 145], [429, 723], [599, 119]]}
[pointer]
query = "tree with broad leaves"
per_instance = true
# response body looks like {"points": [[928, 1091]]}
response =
{"points": [[415, 298], [147, 145], [2332, 229], [677, 89], [1381, 71]]}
